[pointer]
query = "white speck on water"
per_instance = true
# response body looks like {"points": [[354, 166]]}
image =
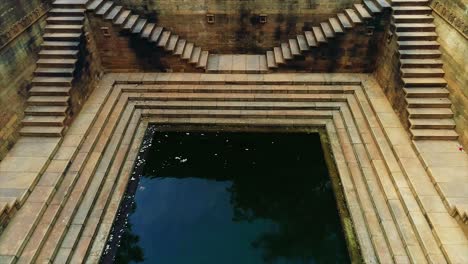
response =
{"points": [[184, 160], [247, 149], [132, 179], [188, 134]]}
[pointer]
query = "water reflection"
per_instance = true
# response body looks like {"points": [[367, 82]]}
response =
{"points": [[234, 198]]}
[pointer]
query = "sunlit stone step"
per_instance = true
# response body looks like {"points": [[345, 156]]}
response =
{"points": [[42, 131], [428, 102], [426, 18], [430, 113], [60, 45], [43, 120], [410, 2], [412, 36], [424, 82], [64, 29], [422, 72], [415, 27], [48, 100], [434, 134], [70, 20], [67, 12], [46, 110], [412, 10], [426, 92], [421, 63], [432, 123]]}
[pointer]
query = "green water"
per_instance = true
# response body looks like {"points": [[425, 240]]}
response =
{"points": [[233, 198]]}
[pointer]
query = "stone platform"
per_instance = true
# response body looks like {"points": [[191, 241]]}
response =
{"points": [[398, 197]]}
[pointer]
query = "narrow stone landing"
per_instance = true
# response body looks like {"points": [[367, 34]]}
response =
{"points": [[237, 63], [397, 212]]}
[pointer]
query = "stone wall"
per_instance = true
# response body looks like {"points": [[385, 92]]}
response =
{"points": [[236, 28], [451, 19], [22, 24]]}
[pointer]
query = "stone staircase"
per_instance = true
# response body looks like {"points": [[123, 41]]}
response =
{"points": [[138, 25], [325, 32], [428, 106], [49, 101]]}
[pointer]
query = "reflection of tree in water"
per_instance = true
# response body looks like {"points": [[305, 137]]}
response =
{"points": [[129, 250]]}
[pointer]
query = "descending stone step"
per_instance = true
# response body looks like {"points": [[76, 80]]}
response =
{"points": [[46, 110], [430, 113], [48, 100], [434, 134], [337, 29], [188, 51], [64, 29], [425, 18], [371, 7], [310, 38], [43, 120], [60, 45], [327, 31], [413, 10], [344, 21], [286, 51], [383, 4], [58, 54], [164, 39], [50, 90], [146, 32], [52, 81], [318, 34], [67, 12], [105, 8], [62, 36], [424, 82], [432, 123], [362, 12], [172, 43], [122, 18], [203, 62], [70, 20], [428, 102], [41, 131], [271, 60], [402, 36], [195, 58], [114, 13], [294, 46], [94, 5], [278, 55], [180, 47], [410, 2], [404, 45], [421, 63], [302, 42], [415, 27], [69, 3], [353, 16], [54, 72], [156, 34], [426, 92], [56, 63], [422, 72], [139, 25], [130, 22], [420, 54]]}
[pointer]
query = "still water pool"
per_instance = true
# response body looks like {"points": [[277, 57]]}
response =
{"points": [[248, 198]]}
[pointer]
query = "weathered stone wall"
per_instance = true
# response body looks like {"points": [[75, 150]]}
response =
{"points": [[237, 28], [21, 27], [451, 19]]}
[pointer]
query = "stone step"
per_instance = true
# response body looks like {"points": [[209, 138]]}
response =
{"points": [[162, 43], [271, 62], [179, 50], [428, 102], [420, 54], [430, 113], [434, 134], [195, 58], [94, 5], [302, 43], [131, 22], [122, 18], [410, 2], [421, 63], [114, 13], [62, 36], [50, 90], [64, 29], [335, 25], [60, 45], [319, 35], [58, 54], [353, 16], [188, 51], [425, 18], [41, 131], [404, 36], [278, 55], [415, 27], [203, 62], [105, 8], [424, 82], [383, 4], [221, 113], [67, 20], [69, 3], [411, 10], [286, 51], [426, 92], [422, 72], [52, 81], [146, 32], [432, 123], [54, 72], [139, 25], [172, 43], [371, 7], [344, 21], [48, 100], [157, 32], [362, 12], [428, 45], [310, 38], [56, 63], [46, 110], [67, 12], [294, 46], [327, 30], [43, 120]]}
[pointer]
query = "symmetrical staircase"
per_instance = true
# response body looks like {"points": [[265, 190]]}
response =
{"points": [[428, 106], [164, 39], [49, 100], [326, 31]]}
